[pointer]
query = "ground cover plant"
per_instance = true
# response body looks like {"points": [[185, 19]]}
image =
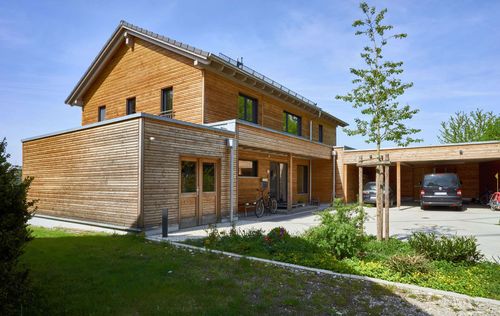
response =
{"points": [[82, 273], [350, 251]]}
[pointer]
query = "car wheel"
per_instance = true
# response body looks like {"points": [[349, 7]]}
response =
{"points": [[423, 207]]}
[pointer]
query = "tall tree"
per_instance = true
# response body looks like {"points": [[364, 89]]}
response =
{"points": [[377, 89], [470, 127], [15, 293]]}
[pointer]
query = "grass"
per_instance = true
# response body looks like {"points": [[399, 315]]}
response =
{"points": [[481, 279], [98, 274]]}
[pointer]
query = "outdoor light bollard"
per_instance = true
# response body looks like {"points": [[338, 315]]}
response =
{"points": [[164, 222]]}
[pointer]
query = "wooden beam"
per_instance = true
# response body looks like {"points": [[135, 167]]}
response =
{"points": [[345, 182], [373, 163], [360, 183], [398, 184], [289, 199]]}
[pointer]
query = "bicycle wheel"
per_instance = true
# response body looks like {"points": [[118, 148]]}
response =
{"points": [[259, 208], [274, 206]]}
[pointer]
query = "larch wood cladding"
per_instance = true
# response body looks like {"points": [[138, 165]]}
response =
{"points": [[299, 197], [254, 136], [141, 72], [162, 163], [322, 180], [90, 174], [221, 103]]}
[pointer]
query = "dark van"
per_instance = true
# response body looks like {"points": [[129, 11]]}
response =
{"points": [[441, 189]]}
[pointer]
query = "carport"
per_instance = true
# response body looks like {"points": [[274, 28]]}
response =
{"points": [[475, 163]]}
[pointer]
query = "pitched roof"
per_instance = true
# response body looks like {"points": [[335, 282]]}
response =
{"points": [[202, 56]]}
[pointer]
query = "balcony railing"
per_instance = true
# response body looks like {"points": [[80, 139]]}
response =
{"points": [[167, 114]]}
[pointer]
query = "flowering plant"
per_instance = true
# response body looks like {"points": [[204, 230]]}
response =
{"points": [[277, 234]]}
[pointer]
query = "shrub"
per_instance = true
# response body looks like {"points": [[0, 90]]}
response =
{"points": [[409, 264], [452, 249], [277, 234], [15, 292], [213, 236], [340, 232]]}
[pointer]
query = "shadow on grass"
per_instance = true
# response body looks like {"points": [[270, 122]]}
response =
{"points": [[104, 274]]}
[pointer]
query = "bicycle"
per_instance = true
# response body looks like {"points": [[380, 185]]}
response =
{"points": [[265, 202]]}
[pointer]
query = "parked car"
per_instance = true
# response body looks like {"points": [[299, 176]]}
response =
{"points": [[370, 194], [441, 189]]}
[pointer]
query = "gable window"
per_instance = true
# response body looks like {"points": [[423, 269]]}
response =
{"points": [[292, 124], [101, 113], [247, 108], [247, 168], [130, 105], [302, 179], [167, 101], [320, 133]]}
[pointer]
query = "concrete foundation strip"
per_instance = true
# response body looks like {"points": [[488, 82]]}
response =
{"points": [[328, 272]]}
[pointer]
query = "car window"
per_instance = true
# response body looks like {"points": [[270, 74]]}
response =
{"points": [[370, 186], [442, 180]]}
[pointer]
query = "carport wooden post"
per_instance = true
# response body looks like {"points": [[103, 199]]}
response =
{"points": [[360, 181], [398, 184], [290, 182], [379, 179], [386, 196]]}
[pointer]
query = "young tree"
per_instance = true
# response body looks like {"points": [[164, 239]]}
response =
{"points": [[377, 88], [470, 127], [14, 214]]}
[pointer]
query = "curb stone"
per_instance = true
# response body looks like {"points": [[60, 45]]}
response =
{"points": [[323, 271]]}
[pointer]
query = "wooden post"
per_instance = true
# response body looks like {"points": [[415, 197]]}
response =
{"points": [[360, 182], [290, 190], [379, 181], [345, 184], [398, 184], [387, 199]]}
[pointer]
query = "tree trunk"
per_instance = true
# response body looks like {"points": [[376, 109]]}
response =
{"points": [[387, 199], [379, 181]]}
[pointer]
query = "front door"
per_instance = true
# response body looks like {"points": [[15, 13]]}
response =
{"points": [[198, 200], [279, 182]]}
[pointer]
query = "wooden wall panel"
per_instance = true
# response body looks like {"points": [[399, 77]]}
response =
{"points": [[221, 103], [142, 72], [322, 180], [161, 165], [299, 197], [89, 174], [487, 180]]}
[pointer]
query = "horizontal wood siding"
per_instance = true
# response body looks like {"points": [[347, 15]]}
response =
{"points": [[322, 180], [221, 103], [141, 72], [91, 174], [161, 166]]}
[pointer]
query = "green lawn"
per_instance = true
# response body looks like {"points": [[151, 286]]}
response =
{"points": [[481, 279], [96, 274]]}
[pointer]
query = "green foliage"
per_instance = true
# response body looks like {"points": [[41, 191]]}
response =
{"points": [[340, 232], [15, 291], [378, 86], [409, 264], [277, 234], [470, 127], [452, 249]]}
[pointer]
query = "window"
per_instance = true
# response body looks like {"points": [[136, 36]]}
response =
{"points": [[302, 179], [167, 100], [247, 168], [130, 105], [247, 108], [292, 124], [101, 113], [320, 133], [208, 177], [188, 176]]}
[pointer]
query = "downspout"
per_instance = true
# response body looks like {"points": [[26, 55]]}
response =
{"points": [[230, 143]]}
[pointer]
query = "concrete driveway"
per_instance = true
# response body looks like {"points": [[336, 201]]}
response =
{"points": [[477, 221]]}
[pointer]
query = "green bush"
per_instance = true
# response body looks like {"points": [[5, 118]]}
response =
{"points": [[15, 290], [277, 234], [409, 264], [340, 232], [452, 249]]}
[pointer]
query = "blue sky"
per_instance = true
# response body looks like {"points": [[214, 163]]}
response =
{"points": [[451, 53]]}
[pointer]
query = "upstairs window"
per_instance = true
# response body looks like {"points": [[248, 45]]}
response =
{"points": [[320, 133], [247, 108], [247, 168], [292, 124], [101, 113], [302, 179], [167, 100], [130, 105]]}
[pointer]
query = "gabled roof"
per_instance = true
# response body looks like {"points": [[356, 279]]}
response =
{"points": [[199, 57]]}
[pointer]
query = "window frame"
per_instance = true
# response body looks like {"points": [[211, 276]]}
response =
{"points": [[128, 105], [101, 116], [320, 133], [305, 179], [255, 108], [171, 89], [255, 168], [286, 116]]}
